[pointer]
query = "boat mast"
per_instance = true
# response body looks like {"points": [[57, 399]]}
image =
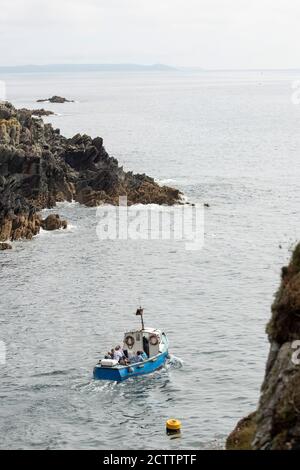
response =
{"points": [[140, 311]]}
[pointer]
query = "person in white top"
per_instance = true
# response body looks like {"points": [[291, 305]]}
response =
{"points": [[118, 354]]}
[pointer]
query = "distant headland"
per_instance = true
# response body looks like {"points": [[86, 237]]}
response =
{"points": [[56, 68]]}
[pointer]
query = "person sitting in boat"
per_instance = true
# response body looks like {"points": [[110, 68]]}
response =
{"points": [[111, 353], [122, 351], [144, 355], [123, 361], [138, 357], [118, 353]]}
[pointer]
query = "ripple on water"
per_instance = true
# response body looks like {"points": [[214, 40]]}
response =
{"points": [[66, 297]]}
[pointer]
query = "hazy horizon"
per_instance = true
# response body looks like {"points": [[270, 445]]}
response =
{"points": [[207, 34], [127, 65]]}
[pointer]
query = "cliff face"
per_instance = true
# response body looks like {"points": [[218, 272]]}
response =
{"points": [[278, 415], [39, 167], [276, 423]]}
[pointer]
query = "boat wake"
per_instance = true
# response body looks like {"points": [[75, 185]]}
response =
{"points": [[130, 387], [175, 362], [94, 386]]}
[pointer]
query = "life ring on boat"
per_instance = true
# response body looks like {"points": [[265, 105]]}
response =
{"points": [[153, 340], [129, 341]]}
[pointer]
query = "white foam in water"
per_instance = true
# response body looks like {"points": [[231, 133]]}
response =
{"points": [[175, 362], [63, 204], [70, 227], [141, 207], [155, 207], [43, 233], [166, 181], [172, 181]]}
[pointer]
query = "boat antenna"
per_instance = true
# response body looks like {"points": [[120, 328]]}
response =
{"points": [[140, 311]]}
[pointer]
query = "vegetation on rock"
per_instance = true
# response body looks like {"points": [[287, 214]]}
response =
{"points": [[242, 436]]}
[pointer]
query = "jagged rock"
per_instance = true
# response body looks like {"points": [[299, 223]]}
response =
{"points": [[91, 198], [41, 112], [53, 222], [6, 229], [17, 226], [5, 246], [277, 419], [56, 99], [39, 167], [278, 415]]}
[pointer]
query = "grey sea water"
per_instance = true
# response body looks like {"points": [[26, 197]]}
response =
{"points": [[230, 139]]}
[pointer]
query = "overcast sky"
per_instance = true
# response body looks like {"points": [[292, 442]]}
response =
{"points": [[203, 33]]}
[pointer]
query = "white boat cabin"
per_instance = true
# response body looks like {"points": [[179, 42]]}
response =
{"points": [[149, 340]]}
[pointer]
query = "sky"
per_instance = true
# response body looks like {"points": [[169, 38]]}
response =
{"points": [[212, 34]]}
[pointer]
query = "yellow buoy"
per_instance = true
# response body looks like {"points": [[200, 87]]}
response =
{"points": [[173, 425]]}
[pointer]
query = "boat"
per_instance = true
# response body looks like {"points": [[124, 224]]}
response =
{"points": [[152, 341]]}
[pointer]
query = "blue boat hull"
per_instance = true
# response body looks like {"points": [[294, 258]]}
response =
{"points": [[118, 374]]}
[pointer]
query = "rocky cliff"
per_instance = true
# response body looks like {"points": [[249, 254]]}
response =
{"points": [[276, 423], [39, 167]]}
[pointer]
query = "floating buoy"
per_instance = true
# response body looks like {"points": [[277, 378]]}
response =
{"points": [[173, 426]]}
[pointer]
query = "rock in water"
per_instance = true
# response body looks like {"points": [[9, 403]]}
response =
{"points": [[276, 424], [53, 222], [5, 246], [41, 112], [39, 167], [56, 99]]}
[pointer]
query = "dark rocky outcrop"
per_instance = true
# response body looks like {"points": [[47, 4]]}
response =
{"points": [[41, 112], [39, 167], [5, 246], [53, 222], [55, 99], [276, 424]]}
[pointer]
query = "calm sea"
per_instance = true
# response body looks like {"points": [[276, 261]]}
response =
{"points": [[229, 139]]}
